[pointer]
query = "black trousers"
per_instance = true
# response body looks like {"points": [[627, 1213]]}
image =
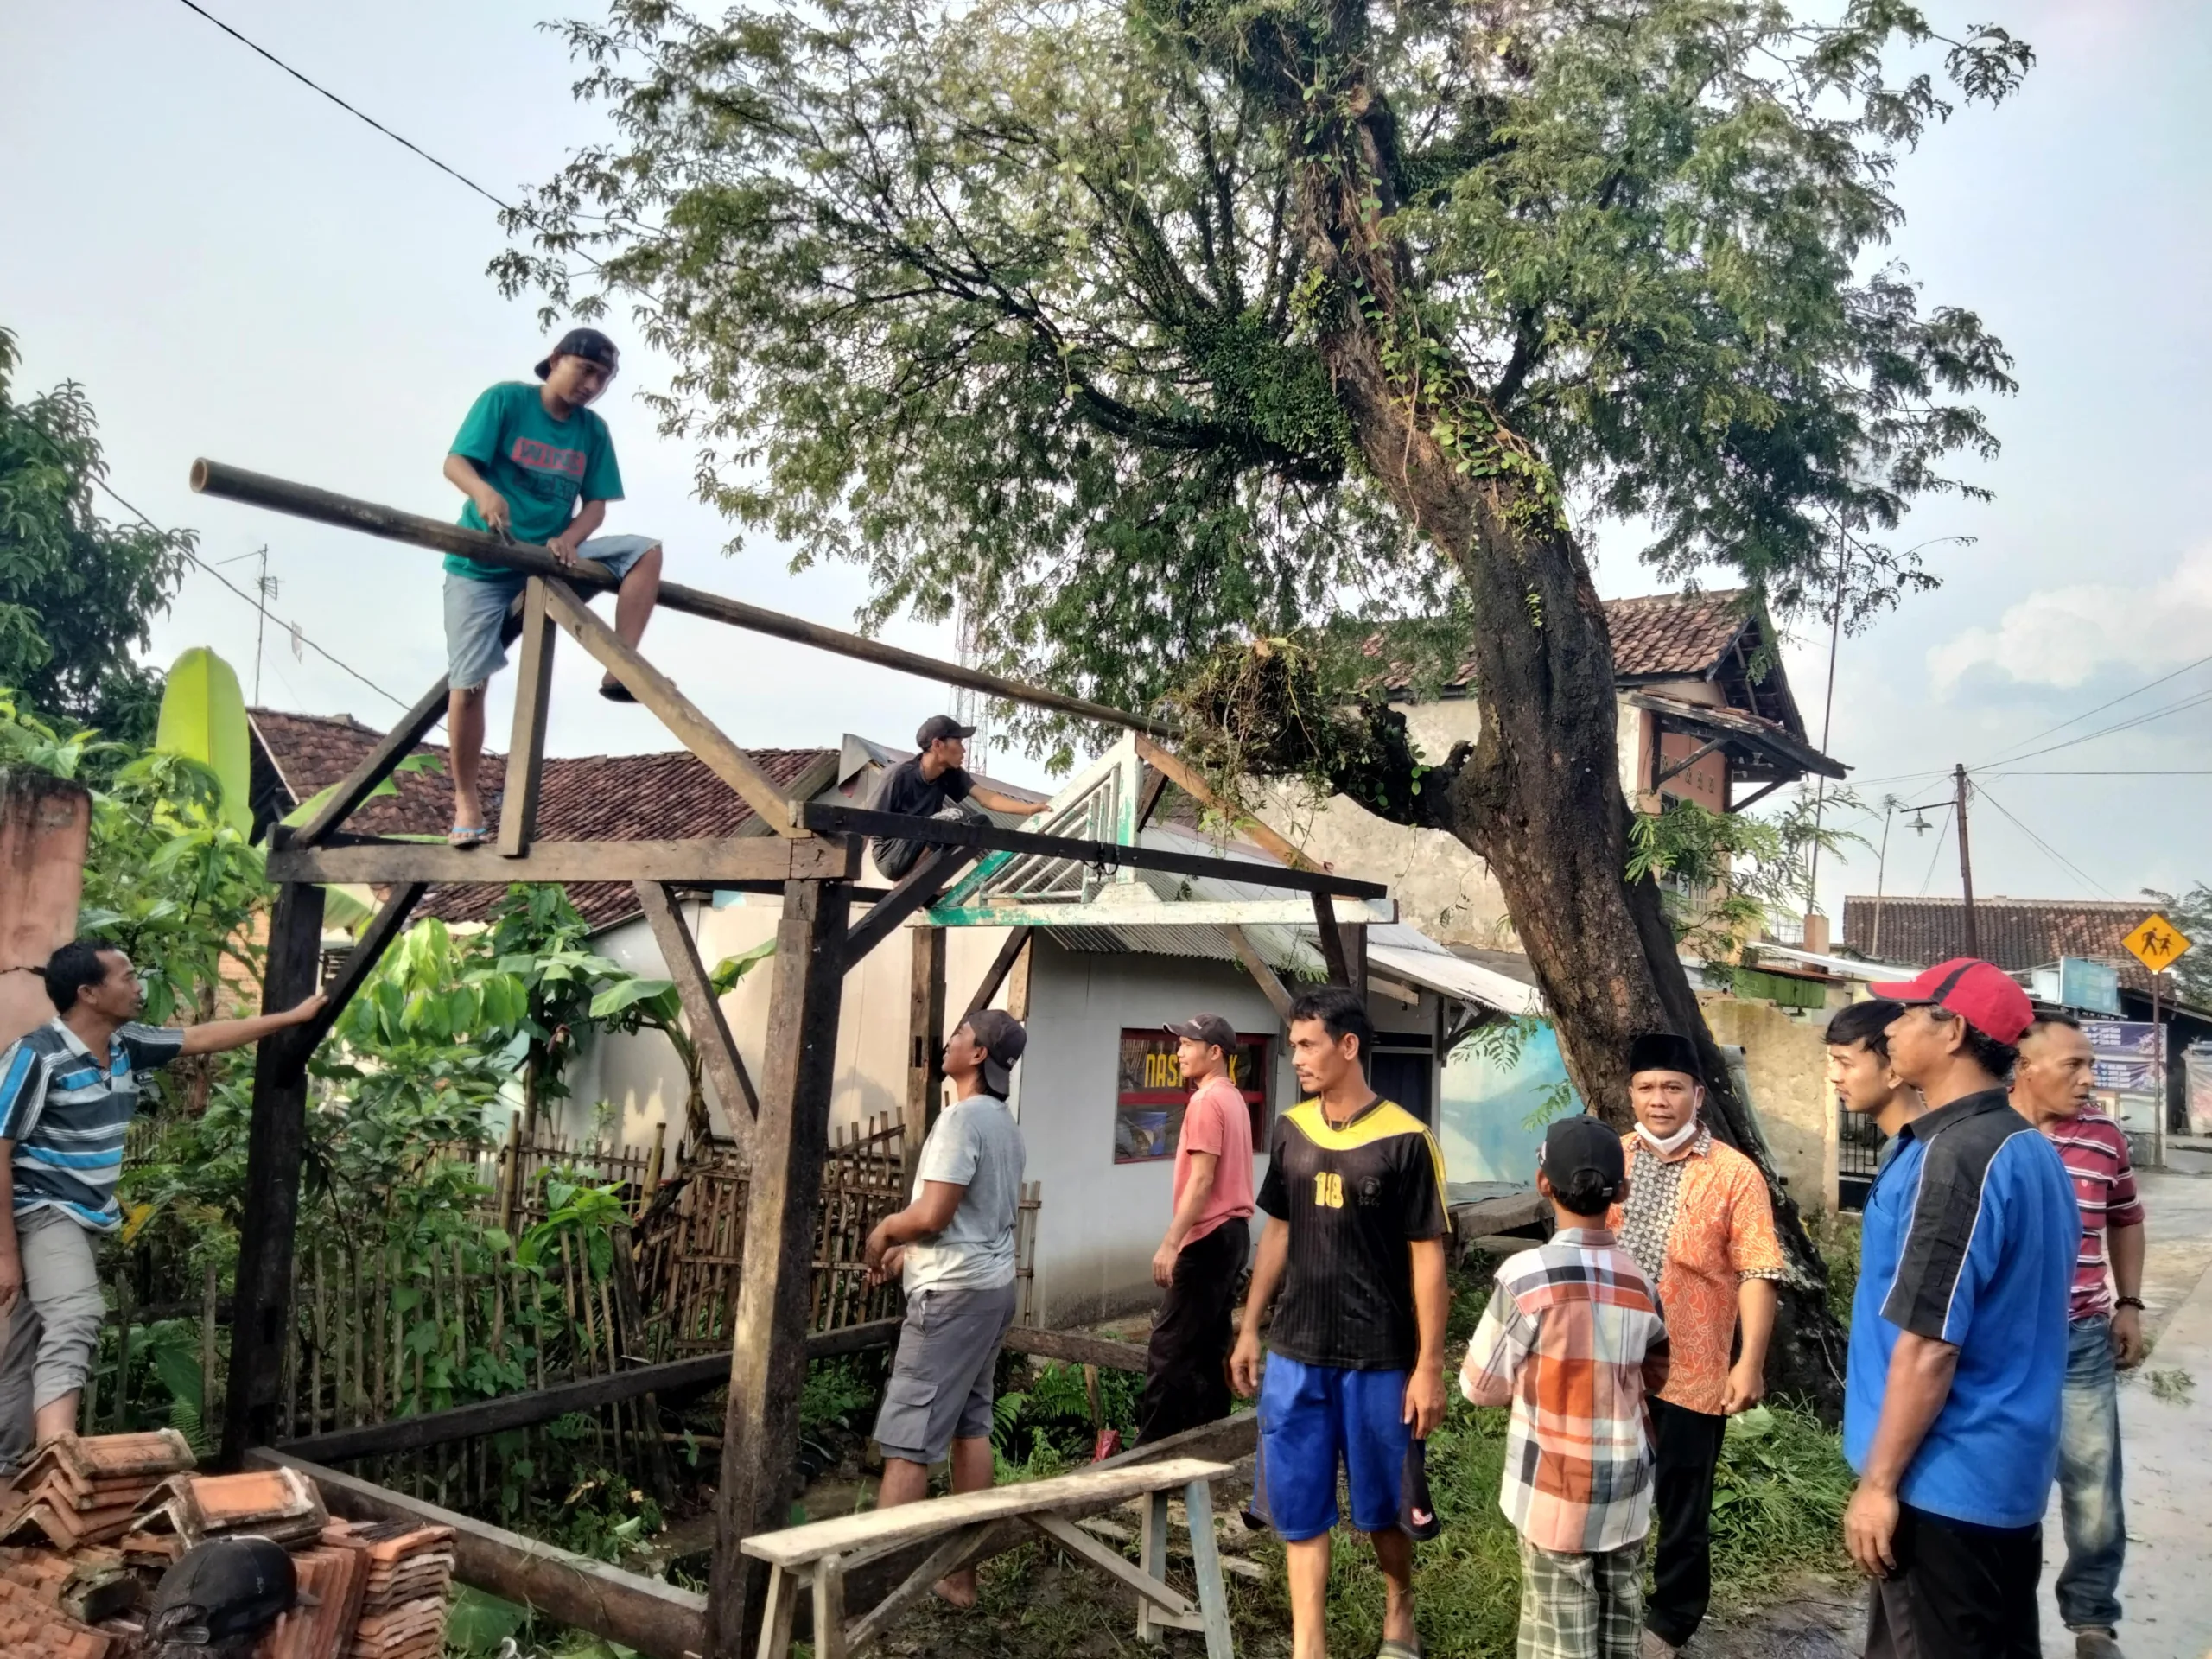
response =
{"points": [[1186, 1362], [1960, 1592], [1687, 1453]]}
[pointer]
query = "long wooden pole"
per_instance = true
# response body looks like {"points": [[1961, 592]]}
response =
{"points": [[760, 1467], [324, 506], [276, 1144]]}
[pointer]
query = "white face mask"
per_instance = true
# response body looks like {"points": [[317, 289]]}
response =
{"points": [[1673, 1143]]}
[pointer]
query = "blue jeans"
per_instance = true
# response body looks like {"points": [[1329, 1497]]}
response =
{"points": [[2088, 1480]]}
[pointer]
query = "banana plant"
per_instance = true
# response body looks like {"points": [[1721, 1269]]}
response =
{"points": [[635, 1004]]}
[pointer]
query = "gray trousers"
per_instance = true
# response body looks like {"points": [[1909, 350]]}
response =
{"points": [[54, 1330]]}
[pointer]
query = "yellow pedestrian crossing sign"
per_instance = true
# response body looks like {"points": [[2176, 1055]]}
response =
{"points": [[2156, 942]]}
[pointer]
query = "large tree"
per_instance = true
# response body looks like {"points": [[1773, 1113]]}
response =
{"points": [[1144, 328], [77, 593]]}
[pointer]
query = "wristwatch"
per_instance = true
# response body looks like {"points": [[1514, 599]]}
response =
{"points": [[2135, 1302]]}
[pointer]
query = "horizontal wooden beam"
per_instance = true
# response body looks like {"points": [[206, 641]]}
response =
{"points": [[695, 863], [827, 818], [513, 1411], [657, 1619], [324, 506], [1108, 911], [1076, 1349]]}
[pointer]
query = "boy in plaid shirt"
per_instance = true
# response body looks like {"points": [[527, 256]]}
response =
{"points": [[1573, 1340]]}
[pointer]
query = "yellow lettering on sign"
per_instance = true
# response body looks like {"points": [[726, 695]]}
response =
{"points": [[1328, 1189]]}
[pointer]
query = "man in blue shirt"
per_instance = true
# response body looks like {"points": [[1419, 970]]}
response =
{"points": [[1958, 1335], [69, 1090]]}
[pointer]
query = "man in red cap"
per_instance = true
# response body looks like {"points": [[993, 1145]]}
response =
{"points": [[1958, 1334]]}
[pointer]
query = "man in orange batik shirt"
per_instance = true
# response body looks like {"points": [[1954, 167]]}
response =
{"points": [[1698, 1221]]}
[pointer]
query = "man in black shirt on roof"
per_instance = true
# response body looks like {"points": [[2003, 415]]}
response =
{"points": [[1354, 1197], [932, 785]]}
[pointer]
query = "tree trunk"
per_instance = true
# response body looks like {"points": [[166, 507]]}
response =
{"points": [[1539, 798]]}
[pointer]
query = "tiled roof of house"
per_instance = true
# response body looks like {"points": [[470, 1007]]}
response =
{"points": [[1674, 634], [2014, 933], [666, 796]]}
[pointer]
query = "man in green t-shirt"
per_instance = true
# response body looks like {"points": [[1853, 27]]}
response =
{"points": [[538, 466]]}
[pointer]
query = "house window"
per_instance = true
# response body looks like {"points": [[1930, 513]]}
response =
{"points": [[1149, 1096]]}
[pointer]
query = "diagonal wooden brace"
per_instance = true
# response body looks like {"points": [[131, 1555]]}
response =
{"points": [[915, 890], [702, 1009], [676, 712]]}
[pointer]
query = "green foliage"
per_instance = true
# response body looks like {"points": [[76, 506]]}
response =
{"points": [[1016, 307], [1721, 872], [480, 1623], [29, 744], [203, 719], [1779, 1497], [1051, 1417], [77, 593]]}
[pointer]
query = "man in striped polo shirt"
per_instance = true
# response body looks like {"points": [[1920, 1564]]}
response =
{"points": [[69, 1090], [2052, 1089]]}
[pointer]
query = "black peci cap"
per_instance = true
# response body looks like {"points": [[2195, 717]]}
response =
{"points": [[587, 343], [1663, 1051]]}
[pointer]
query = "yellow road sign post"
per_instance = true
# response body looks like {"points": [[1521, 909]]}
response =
{"points": [[2156, 942]]}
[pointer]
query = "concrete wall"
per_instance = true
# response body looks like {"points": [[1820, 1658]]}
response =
{"points": [[1787, 1062]]}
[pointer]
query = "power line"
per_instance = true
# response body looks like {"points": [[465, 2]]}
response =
{"points": [[453, 172], [2107, 703], [2166, 773], [297, 631], [1983, 791], [1929, 875], [2194, 699]]}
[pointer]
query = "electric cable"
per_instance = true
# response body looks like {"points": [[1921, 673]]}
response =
{"points": [[298, 633], [2050, 851]]}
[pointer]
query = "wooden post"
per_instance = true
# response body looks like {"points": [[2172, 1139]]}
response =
{"points": [[760, 1471], [1355, 958], [925, 1046], [526, 748], [275, 1142]]}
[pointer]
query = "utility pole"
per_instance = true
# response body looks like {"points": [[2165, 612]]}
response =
{"points": [[1889, 804], [1966, 860]]}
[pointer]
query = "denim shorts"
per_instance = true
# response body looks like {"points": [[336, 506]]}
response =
{"points": [[476, 608]]}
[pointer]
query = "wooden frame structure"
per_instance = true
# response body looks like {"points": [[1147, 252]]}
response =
{"points": [[812, 859]]}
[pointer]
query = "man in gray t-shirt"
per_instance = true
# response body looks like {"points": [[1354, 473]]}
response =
{"points": [[953, 1247]]}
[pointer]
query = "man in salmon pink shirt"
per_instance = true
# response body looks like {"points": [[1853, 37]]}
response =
{"points": [[1199, 1260]]}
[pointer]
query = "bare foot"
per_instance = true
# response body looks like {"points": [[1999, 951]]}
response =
{"points": [[956, 1589]]}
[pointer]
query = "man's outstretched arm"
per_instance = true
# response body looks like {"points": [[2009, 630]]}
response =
{"points": [[219, 1036]]}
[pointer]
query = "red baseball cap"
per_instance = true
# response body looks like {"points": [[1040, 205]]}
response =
{"points": [[1979, 993]]}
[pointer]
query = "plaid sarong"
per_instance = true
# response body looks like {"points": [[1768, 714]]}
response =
{"points": [[1577, 1606]]}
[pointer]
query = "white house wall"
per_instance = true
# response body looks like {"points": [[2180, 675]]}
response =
{"points": [[639, 1081]]}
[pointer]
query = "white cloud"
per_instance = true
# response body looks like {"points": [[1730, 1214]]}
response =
{"points": [[2062, 636]]}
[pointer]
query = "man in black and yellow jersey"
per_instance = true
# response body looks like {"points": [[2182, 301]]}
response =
{"points": [[1354, 1197]]}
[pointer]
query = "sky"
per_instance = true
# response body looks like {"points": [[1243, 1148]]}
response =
{"points": [[234, 268]]}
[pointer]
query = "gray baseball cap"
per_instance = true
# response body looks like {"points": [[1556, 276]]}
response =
{"points": [[1002, 1038]]}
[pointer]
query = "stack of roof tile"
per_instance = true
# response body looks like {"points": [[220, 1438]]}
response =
{"points": [[403, 1597], [334, 1574], [279, 1504], [77, 1492], [33, 1628], [90, 1584]]}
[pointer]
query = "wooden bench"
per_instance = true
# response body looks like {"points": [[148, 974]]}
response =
{"points": [[818, 1556]]}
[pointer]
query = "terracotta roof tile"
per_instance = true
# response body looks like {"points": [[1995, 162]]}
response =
{"points": [[279, 1504], [666, 796], [2014, 933], [1666, 635], [33, 1628]]}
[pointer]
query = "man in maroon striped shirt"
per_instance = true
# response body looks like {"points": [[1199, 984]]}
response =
{"points": [[2051, 1088]]}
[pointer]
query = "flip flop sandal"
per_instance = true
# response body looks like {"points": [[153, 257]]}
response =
{"points": [[1397, 1650], [615, 691], [467, 835]]}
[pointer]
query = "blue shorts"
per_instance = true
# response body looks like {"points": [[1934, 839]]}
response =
{"points": [[1313, 1416], [476, 608]]}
